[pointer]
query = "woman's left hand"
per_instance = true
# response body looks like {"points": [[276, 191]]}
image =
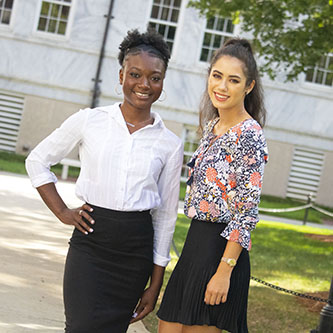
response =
{"points": [[217, 289], [146, 304]]}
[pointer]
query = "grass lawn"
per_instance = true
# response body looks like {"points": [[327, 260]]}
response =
{"points": [[282, 254]]}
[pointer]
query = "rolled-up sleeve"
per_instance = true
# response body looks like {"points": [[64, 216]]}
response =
{"points": [[164, 217], [54, 148], [244, 197]]}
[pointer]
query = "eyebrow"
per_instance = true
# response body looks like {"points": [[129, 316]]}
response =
{"points": [[139, 69], [233, 76]]}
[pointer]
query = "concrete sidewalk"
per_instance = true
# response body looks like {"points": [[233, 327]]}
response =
{"points": [[33, 246]]}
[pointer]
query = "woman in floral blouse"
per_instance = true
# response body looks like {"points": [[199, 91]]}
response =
{"points": [[208, 289]]}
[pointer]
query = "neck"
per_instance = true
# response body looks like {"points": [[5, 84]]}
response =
{"points": [[134, 115]]}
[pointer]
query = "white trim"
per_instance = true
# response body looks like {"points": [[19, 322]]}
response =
{"points": [[9, 27], [54, 36]]}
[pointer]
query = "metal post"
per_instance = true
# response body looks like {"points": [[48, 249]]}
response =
{"points": [[307, 209], [326, 315], [97, 90]]}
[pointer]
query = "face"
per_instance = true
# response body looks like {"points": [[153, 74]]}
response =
{"points": [[227, 84], [142, 78]]}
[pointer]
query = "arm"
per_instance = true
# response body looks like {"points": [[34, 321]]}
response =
{"points": [[243, 200], [54, 202], [164, 220]]}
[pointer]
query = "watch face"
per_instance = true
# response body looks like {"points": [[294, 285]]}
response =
{"points": [[232, 262]]}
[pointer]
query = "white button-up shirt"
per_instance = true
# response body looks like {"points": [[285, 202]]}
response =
{"points": [[119, 170]]}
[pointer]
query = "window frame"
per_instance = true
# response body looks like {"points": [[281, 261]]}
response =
{"points": [[322, 69], [50, 35], [168, 23], [214, 32], [5, 26]]}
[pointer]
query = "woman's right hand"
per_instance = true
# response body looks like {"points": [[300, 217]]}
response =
{"points": [[75, 217]]}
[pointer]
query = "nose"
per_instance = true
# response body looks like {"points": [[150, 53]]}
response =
{"points": [[223, 86], [144, 83]]}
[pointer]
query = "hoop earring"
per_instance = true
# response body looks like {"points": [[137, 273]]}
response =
{"points": [[116, 89], [164, 97]]}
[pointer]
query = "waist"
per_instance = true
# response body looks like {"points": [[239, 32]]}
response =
{"points": [[111, 213]]}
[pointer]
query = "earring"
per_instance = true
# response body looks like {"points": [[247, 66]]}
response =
{"points": [[116, 89], [164, 97]]}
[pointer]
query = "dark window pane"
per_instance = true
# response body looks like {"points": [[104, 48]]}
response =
{"points": [[217, 41], [52, 26], [45, 8], [55, 11], [322, 62], [329, 79], [62, 28], [177, 3], [165, 13], [6, 17], [170, 46], [204, 54], [220, 24], [42, 24], [309, 75], [171, 33], [167, 2], [161, 29], [174, 16], [68, 0], [157, 1], [1, 3], [65, 12], [319, 77], [230, 27], [154, 12], [152, 25], [207, 39], [210, 23], [9, 4]]}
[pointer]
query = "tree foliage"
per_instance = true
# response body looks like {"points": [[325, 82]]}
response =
{"points": [[288, 35]]}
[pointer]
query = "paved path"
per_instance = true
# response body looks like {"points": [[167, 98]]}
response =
{"points": [[33, 245]]}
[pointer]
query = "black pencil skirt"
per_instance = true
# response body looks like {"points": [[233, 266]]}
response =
{"points": [[106, 271], [183, 300]]}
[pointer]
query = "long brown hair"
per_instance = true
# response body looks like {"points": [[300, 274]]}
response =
{"points": [[254, 105]]}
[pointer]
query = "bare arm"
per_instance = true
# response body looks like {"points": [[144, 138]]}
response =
{"points": [[150, 295], [218, 286], [54, 202]]}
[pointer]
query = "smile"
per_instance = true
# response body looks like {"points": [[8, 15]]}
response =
{"points": [[221, 98], [141, 95]]}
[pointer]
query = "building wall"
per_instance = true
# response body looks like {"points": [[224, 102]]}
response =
{"points": [[325, 193], [277, 169]]}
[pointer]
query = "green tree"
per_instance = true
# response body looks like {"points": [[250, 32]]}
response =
{"points": [[289, 35]]}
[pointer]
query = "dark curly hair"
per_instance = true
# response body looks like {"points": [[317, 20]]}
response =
{"points": [[254, 105], [150, 41]]}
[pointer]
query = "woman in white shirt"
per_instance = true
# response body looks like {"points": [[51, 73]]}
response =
{"points": [[129, 181]]}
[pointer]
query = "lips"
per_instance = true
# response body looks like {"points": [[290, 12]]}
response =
{"points": [[220, 97]]}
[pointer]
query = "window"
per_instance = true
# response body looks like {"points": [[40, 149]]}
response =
{"points": [[322, 73], [191, 142], [164, 18], [54, 15], [218, 30], [6, 7]]}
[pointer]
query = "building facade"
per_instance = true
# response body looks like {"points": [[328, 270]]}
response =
{"points": [[49, 57]]}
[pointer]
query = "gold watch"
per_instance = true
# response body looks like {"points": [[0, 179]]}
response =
{"points": [[230, 261]]}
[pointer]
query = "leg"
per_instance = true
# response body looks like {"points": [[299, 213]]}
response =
{"points": [[168, 327], [200, 329]]}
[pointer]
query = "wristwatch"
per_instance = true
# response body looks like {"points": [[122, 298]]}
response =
{"points": [[230, 261]]}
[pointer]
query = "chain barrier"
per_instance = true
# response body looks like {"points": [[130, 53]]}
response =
{"points": [[295, 293]]}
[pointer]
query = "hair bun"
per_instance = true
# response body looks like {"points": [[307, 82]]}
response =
{"points": [[241, 42]]}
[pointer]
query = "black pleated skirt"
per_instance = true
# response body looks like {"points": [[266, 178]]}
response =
{"points": [[183, 300], [106, 271]]}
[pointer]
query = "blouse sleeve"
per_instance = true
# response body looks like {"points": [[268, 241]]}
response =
{"points": [[54, 148], [164, 217], [245, 182]]}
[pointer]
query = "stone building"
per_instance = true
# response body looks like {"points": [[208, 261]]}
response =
{"points": [[49, 57]]}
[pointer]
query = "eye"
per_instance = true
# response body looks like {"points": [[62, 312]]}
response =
{"points": [[135, 75], [234, 81], [216, 76], [156, 78]]}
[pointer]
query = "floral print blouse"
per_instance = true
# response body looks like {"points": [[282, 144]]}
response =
{"points": [[225, 179]]}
